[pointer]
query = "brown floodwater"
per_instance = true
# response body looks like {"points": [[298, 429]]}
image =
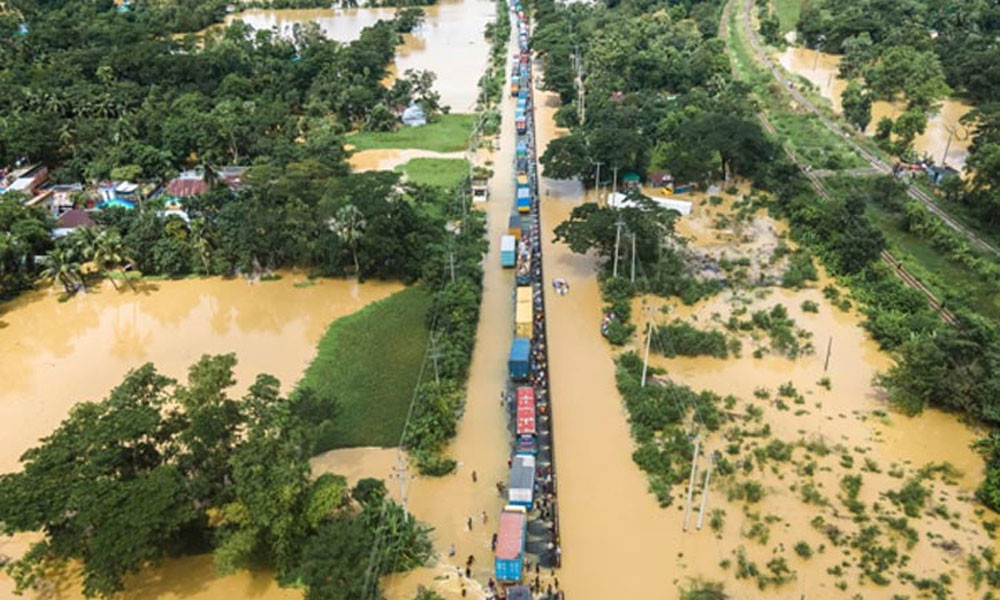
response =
{"points": [[59, 353], [450, 42], [482, 443], [820, 68], [618, 543], [387, 159]]}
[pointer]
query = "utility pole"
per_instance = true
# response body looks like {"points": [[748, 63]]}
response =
{"points": [[597, 181], [829, 346], [690, 494], [633, 258], [704, 494], [451, 264], [618, 239], [400, 473], [614, 185], [645, 358]]}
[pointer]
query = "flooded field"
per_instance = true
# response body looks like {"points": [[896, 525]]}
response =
{"points": [[612, 524], [389, 159], [820, 68], [59, 353], [450, 42]]}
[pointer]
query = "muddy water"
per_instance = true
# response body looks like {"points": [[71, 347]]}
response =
{"points": [[612, 525], [851, 417], [59, 353], [820, 68], [617, 543], [450, 42], [389, 159], [482, 444], [56, 354]]}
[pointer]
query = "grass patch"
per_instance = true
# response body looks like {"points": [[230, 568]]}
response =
{"points": [[788, 13], [450, 133], [442, 172], [365, 369]]}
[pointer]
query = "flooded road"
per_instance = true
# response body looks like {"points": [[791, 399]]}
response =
{"points": [[619, 543], [482, 444], [59, 353], [450, 42], [389, 159], [820, 68]]}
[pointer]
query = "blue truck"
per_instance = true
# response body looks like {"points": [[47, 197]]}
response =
{"points": [[508, 251], [509, 560], [519, 362]]}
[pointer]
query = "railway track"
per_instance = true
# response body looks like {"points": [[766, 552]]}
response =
{"points": [[888, 258], [876, 162]]}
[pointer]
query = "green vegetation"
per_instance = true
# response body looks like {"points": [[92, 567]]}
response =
{"points": [[647, 105], [788, 13], [365, 369], [656, 414], [160, 468], [681, 338], [449, 133], [445, 173]]}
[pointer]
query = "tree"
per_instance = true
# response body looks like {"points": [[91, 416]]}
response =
{"points": [[109, 253], [62, 265], [907, 127], [566, 157], [857, 106], [349, 225]]}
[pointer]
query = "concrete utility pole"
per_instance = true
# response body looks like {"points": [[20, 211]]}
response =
{"points": [[400, 472], [704, 495], [633, 258], [597, 181], [618, 239], [694, 461], [614, 185], [645, 358], [451, 265]]}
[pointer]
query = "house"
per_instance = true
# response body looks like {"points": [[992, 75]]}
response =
{"points": [[70, 220], [414, 116], [192, 183], [660, 179], [26, 180], [619, 200], [56, 198], [631, 180]]}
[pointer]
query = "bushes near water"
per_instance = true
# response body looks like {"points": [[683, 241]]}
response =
{"points": [[681, 338]]}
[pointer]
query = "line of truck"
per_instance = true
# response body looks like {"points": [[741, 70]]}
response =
{"points": [[528, 523]]}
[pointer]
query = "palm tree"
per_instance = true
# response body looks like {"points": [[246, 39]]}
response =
{"points": [[61, 265], [202, 242], [349, 225], [109, 253]]}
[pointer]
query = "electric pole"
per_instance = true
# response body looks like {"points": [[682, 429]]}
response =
{"points": [[618, 239], [451, 265], [597, 181], [614, 185], [645, 358], [633, 258]]}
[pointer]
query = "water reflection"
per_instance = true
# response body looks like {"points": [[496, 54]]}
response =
{"points": [[450, 42], [821, 69]]}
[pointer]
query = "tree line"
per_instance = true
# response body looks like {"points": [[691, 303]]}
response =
{"points": [[920, 51], [161, 468], [659, 95]]}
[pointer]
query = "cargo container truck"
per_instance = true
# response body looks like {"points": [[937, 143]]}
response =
{"points": [[519, 362], [508, 251], [509, 558], [521, 491], [525, 424]]}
